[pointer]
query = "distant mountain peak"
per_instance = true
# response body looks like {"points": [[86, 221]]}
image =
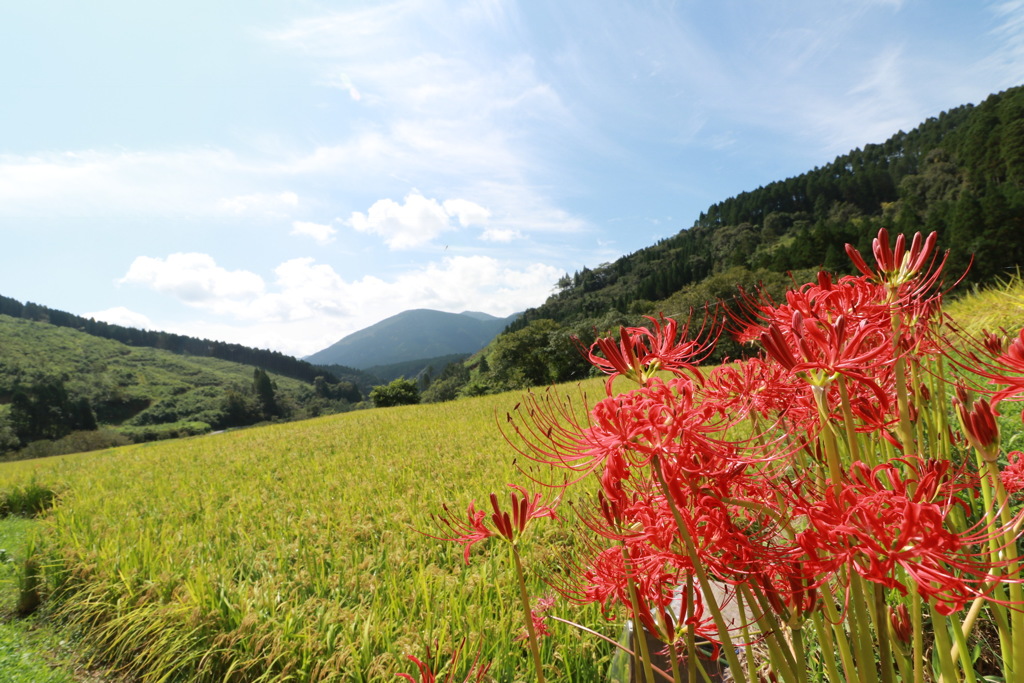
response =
{"points": [[480, 316], [412, 335]]}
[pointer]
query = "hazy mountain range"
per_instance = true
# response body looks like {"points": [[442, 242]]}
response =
{"points": [[413, 335]]}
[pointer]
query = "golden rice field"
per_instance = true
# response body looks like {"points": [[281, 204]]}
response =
{"points": [[291, 552]]}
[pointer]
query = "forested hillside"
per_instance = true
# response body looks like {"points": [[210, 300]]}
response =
{"points": [[57, 383], [960, 174], [273, 361]]}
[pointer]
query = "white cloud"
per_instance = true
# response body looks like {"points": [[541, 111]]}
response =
{"points": [[500, 235], [466, 211], [119, 315], [416, 221], [309, 305], [264, 203], [322, 234], [196, 279]]}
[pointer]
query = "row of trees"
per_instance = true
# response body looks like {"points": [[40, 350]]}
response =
{"points": [[44, 411]]}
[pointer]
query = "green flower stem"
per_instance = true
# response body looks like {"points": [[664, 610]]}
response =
{"points": [[972, 615], [828, 437], [917, 624], [698, 568], [944, 646], [783, 662], [832, 616], [938, 393], [641, 655], [906, 428], [960, 645], [881, 619], [828, 647], [745, 632], [860, 630], [848, 423], [527, 615], [691, 640], [1015, 658]]}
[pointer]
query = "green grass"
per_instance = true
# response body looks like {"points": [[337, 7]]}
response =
{"points": [[291, 552], [27, 647]]}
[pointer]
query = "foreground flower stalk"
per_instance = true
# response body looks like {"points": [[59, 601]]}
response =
{"points": [[812, 503]]}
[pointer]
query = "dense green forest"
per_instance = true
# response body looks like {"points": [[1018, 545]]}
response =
{"points": [[960, 174]]}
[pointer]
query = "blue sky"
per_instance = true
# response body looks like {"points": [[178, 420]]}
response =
{"points": [[280, 174]]}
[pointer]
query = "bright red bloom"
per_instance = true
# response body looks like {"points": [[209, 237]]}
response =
{"points": [[897, 266], [979, 423], [540, 624], [641, 352], [508, 526], [882, 519], [755, 385], [477, 672], [1013, 361], [1012, 475], [627, 430]]}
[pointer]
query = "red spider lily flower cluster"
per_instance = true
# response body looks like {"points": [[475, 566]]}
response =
{"points": [[898, 265], [895, 516], [1012, 475], [537, 617], [504, 524], [642, 352], [1012, 364], [790, 479], [477, 672], [680, 492]]}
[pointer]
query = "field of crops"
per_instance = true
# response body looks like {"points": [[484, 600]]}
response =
{"points": [[290, 552], [294, 552]]}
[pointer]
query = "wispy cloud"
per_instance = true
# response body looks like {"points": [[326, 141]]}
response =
{"points": [[1008, 55], [320, 232]]}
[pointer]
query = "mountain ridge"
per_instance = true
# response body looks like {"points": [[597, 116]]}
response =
{"points": [[413, 335]]}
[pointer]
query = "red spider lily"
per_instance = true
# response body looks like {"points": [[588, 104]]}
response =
{"points": [[656, 582], [1013, 360], [856, 298], [756, 386], [477, 672], [1012, 475], [540, 624], [898, 266], [881, 520], [508, 526], [626, 431], [979, 423], [899, 618], [819, 351], [642, 352]]}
